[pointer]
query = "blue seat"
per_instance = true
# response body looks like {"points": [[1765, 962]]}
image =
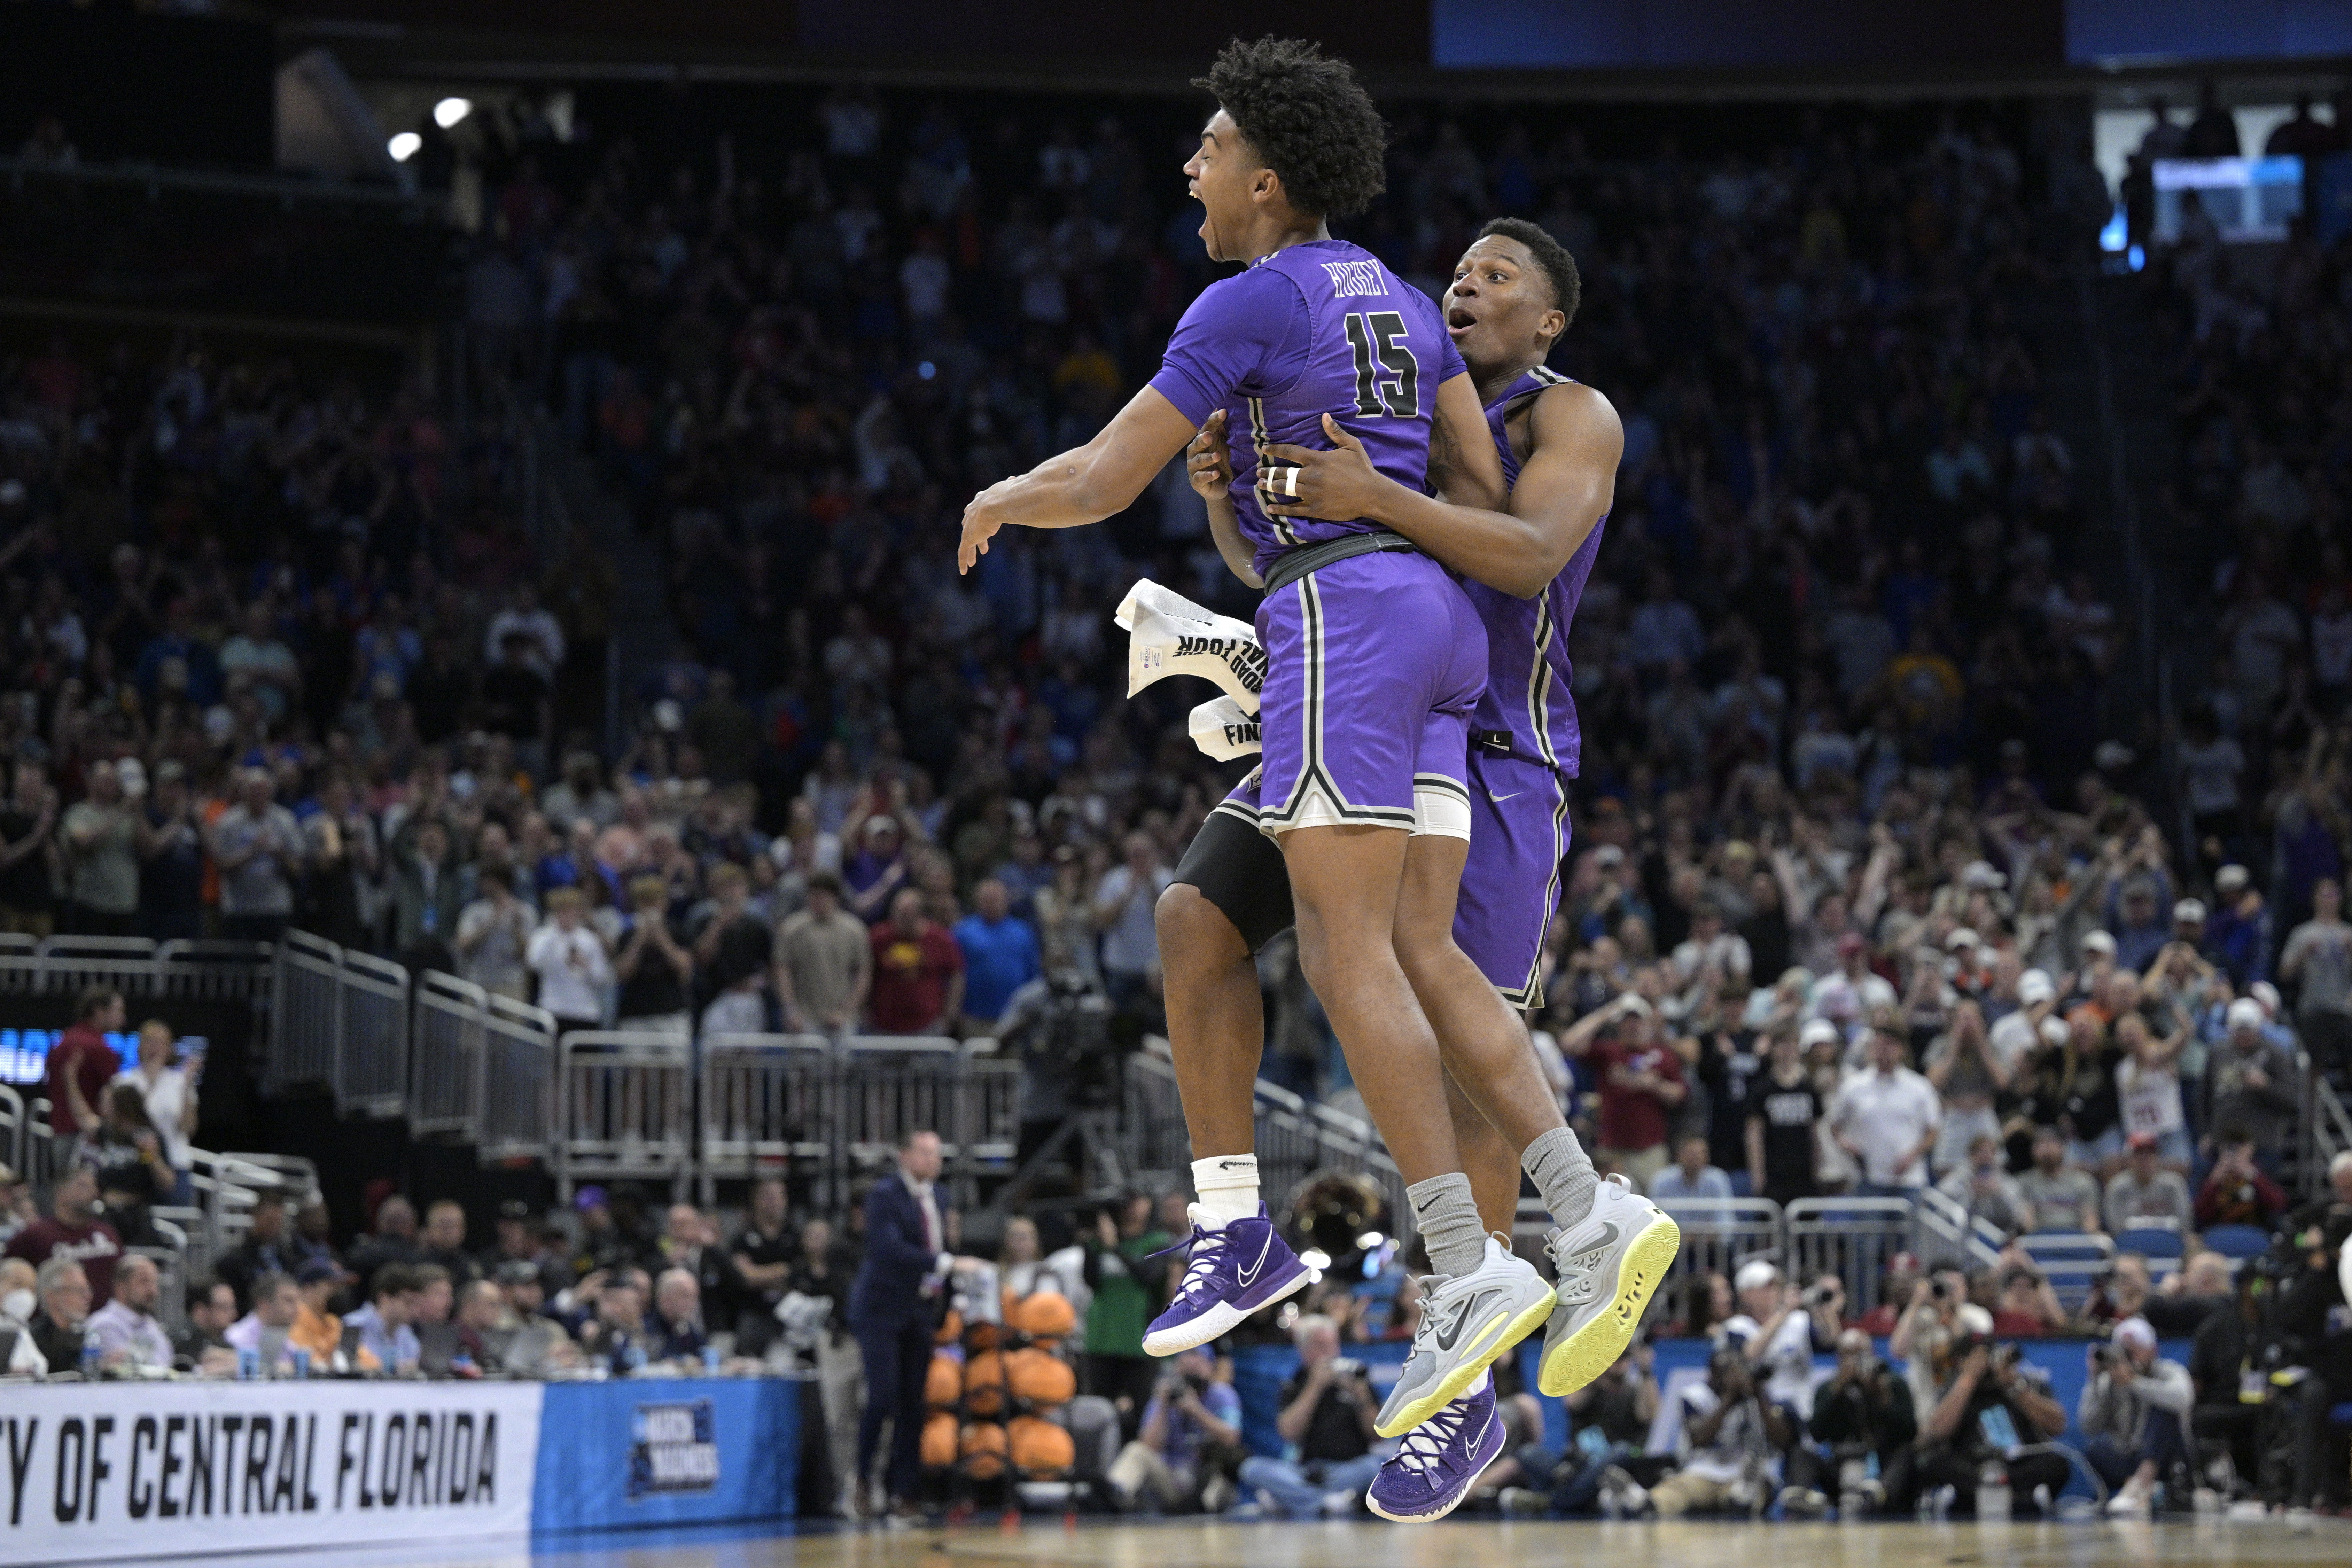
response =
{"points": [[2238, 1240], [2152, 1243]]}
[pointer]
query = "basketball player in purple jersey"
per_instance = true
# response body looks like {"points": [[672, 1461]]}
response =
{"points": [[1514, 293], [1375, 658]]}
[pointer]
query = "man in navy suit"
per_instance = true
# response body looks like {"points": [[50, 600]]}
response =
{"points": [[894, 1307]]}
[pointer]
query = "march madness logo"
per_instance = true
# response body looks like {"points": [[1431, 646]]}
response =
{"points": [[674, 1448]]}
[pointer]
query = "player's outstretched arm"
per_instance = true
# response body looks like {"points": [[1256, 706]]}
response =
{"points": [[1565, 487], [1084, 485]]}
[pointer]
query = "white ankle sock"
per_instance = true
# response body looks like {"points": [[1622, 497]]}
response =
{"points": [[1228, 1187]]}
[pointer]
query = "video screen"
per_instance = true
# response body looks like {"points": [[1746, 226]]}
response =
{"points": [[2250, 200], [25, 1053]]}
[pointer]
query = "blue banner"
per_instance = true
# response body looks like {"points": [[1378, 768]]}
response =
{"points": [[666, 1452]]}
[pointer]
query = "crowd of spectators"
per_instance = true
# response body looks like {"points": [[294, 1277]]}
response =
{"points": [[1872, 890]]}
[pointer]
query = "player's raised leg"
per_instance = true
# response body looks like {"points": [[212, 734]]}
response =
{"points": [[1230, 897], [1614, 1245]]}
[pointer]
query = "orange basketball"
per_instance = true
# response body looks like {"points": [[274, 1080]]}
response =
{"points": [[1040, 1447], [984, 1384], [1045, 1315], [939, 1441], [1040, 1378], [944, 1382], [983, 1451]]}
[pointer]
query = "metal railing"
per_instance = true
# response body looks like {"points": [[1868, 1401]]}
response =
{"points": [[514, 1093], [445, 1057], [1721, 1234], [1949, 1234], [139, 968], [2328, 1129], [623, 1109], [1852, 1238]]}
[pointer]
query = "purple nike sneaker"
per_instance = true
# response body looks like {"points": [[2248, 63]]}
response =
{"points": [[1430, 1474], [1231, 1273]]}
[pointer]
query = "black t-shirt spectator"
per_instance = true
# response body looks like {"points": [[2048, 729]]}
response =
{"points": [[656, 988], [438, 690], [744, 950], [2224, 1349], [512, 697], [24, 886], [1732, 1071], [172, 885], [761, 1249], [840, 1268], [1789, 1114], [1335, 1432]]}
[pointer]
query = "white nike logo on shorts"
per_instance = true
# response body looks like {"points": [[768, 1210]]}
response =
{"points": [[1499, 799]]}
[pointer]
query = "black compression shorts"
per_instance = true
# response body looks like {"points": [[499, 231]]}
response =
{"points": [[1240, 871]]}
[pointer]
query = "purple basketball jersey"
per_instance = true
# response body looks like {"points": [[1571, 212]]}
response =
{"points": [[1529, 696], [1314, 329]]}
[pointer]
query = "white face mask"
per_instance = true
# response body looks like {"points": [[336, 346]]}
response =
{"points": [[17, 1305]]}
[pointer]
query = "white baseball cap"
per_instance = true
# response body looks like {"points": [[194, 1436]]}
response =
{"points": [[1818, 1031], [1962, 936], [2099, 942], [2232, 877], [2245, 1013], [2188, 912], [2035, 985], [1755, 1274]]}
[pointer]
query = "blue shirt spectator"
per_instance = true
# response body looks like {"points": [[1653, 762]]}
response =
{"points": [[999, 952], [1690, 1176]]}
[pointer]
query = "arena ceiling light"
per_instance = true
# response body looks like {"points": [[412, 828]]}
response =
{"points": [[450, 112], [403, 146]]}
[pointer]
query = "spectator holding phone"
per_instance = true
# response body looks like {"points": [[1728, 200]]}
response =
{"points": [[170, 1092]]}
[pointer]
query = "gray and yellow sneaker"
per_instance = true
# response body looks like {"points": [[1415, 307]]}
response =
{"points": [[1468, 1322], [1609, 1265]]}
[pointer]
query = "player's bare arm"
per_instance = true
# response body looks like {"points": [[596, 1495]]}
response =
{"points": [[1566, 487], [1209, 465], [1084, 485]]}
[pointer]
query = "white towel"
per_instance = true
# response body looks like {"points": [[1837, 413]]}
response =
{"points": [[1223, 730], [1170, 634]]}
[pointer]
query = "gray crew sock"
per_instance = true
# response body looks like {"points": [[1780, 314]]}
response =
{"points": [[1563, 1172], [1450, 1226]]}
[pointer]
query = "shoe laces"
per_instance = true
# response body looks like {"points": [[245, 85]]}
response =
{"points": [[1207, 1251], [1423, 1448]]}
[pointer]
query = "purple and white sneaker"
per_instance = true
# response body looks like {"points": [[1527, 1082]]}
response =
{"points": [[1430, 1474], [1231, 1273]]}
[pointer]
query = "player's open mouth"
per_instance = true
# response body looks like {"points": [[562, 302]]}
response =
{"points": [[1459, 319]]}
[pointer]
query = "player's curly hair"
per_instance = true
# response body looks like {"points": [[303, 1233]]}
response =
{"points": [[1308, 118], [1567, 283]]}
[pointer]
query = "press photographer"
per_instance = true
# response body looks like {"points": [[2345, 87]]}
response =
{"points": [[1990, 1408], [1192, 1425], [2316, 1326], [1863, 1412], [2132, 1413]]}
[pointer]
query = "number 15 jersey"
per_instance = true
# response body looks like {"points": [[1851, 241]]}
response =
{"points": [[1314, 329]]}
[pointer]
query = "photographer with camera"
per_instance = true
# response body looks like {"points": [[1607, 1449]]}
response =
{"points": [[2133, 1415], [1990, 1408], [1730, 1432], [1780, 1329], [1191, 1417], [1864, 1411], [1328, 1411]]}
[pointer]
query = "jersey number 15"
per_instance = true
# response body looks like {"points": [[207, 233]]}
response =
{"points": [[1388, 381]]}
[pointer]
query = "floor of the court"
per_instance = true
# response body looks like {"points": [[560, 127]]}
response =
{"points": [[1047, 1542]]}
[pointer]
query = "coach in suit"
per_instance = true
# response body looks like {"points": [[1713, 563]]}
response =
{"points": [[894, 1306]]}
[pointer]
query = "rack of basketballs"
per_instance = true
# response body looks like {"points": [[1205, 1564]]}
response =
{"points": [[995, 1389]]}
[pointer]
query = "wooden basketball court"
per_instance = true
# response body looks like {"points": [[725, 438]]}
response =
{"points": [[1469, 1543]]}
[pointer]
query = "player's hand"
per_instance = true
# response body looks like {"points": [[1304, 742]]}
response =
{"points": [[979, 526], [1208, 461], [1340, 484]]}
